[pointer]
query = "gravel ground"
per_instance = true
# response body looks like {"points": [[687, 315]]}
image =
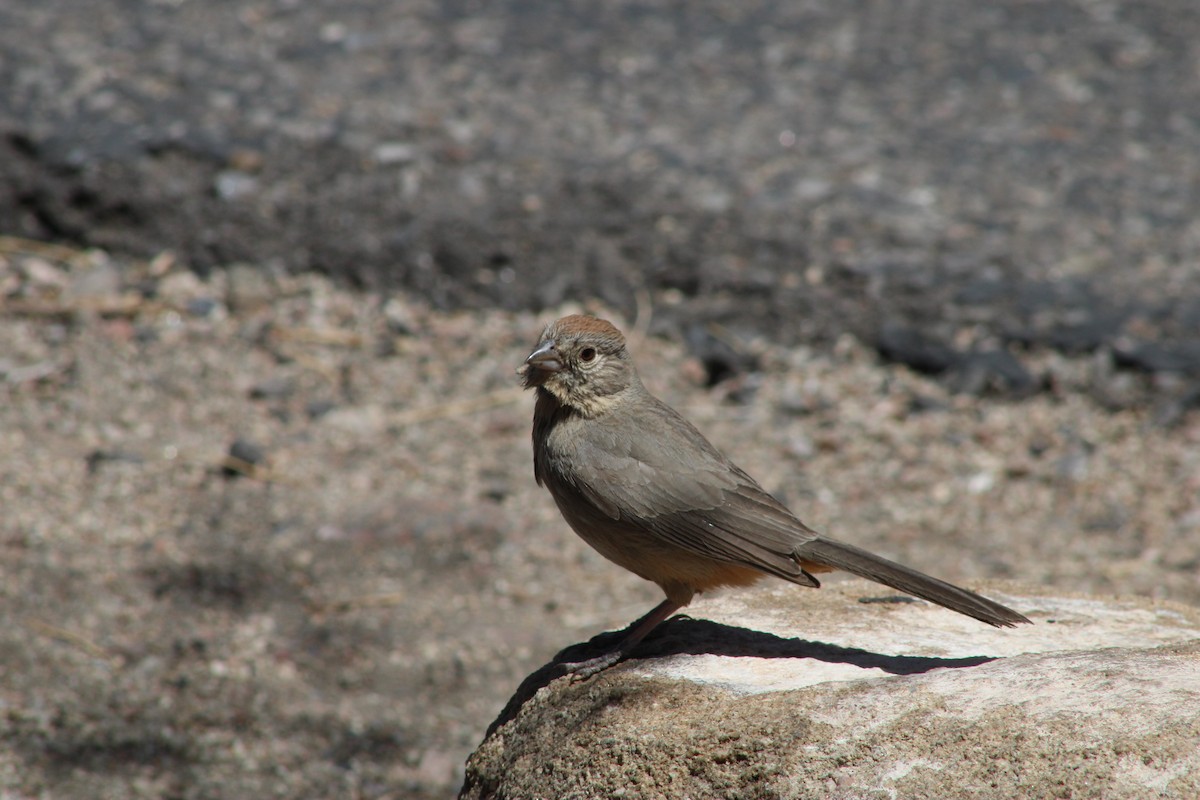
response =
{"points": [[980, 171], [342, 609]]}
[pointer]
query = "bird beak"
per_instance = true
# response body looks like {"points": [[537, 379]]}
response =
{"points": [[545, 358]]}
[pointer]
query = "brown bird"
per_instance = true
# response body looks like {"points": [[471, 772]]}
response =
{"points": [[642, 486]]}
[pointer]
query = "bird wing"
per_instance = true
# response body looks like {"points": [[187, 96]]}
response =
{"points": [[671, 483]]}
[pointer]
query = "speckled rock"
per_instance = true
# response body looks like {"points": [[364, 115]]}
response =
{"points": [[889, 699]]}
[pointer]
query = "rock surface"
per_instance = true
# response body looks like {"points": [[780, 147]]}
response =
{"points": [[1099, 698]]}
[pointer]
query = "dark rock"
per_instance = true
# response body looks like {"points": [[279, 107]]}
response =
{"points": [[1071, 316], [907, 345], [275, 388], [244, 459], [919, 403], [97, 458], [201, 306], [996, 371], [1072, 338], [722, 360], [1146, 356], [318, 408]]}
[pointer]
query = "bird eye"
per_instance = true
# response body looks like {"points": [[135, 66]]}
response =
{"points": [[587, 354]]}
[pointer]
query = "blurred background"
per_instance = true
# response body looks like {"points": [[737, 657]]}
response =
{"points": [[1022, 171]]}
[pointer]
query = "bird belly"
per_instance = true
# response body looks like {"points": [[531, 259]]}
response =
{"points": [[651, 558]]}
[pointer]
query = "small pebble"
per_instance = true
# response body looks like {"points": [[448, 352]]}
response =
{"points": [[243, 459]]}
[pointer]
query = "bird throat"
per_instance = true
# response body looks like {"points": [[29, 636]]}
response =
{"points": [[575, 400]]}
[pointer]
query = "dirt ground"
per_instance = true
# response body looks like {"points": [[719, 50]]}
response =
{"points": [[341, 609]]}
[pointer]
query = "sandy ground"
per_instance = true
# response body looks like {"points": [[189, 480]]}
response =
{"points": [[346, 615]]}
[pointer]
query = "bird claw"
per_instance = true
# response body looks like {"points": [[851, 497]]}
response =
{"points": [[582, 670]]}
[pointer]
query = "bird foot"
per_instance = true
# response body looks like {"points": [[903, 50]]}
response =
{"points": [[582, 670]]}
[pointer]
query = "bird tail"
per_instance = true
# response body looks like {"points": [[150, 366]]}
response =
{"points": [[832, 553]]}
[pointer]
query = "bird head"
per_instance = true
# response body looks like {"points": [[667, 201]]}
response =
{"points": [[582, 361]]}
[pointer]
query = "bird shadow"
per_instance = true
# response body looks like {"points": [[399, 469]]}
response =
{"points": [[682, 635]]}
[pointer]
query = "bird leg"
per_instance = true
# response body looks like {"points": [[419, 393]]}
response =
{"points": [[582, 670]]}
